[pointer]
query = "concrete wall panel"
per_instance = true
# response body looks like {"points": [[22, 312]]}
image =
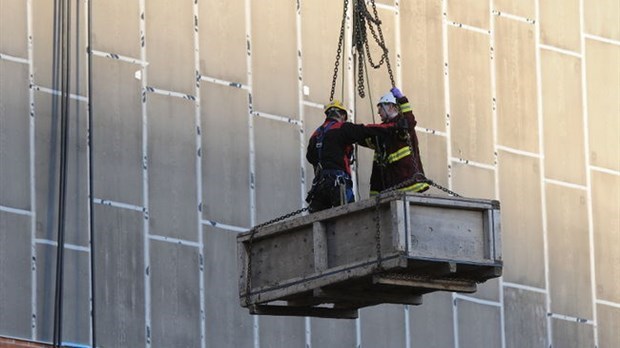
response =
{"points": [[470, 94], [471, 181], [172, 162], [433, 151], [119, 296], [471, 12], [606, 219], [47, 162], [76, 297], [43, 47], [515, 59], [223, 313], [572, 334], [485, 331], [174, 295], [523, 8], [13, 28], [14, 136], [333, 333], [422, 61], [282, 332], [608, 324], [15, 304], [559, 24], [225, 164], [223, 47], [488, 290], [116, 27], [278, 168], [170, 48], [75, 313], [601, 18], [562, 117], [431, 323], [274, 58], [522, 226], [569, 260], [117, 132], [603, 90], [525, 321], [383, 326], [320, 41]]}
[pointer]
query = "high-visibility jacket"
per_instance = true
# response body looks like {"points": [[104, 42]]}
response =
{"points": [[395, 162]]}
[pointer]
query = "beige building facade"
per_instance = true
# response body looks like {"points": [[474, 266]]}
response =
{"points": [[201, 111]]}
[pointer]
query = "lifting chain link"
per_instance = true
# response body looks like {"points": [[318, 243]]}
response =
{"points": [[361, 17], [248, 280], [339, 50]]}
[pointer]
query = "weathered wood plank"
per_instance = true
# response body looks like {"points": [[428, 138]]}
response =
{"points": [[438, 284], [319, 312]]}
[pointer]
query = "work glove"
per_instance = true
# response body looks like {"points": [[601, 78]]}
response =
{"points": [[396, 93]]}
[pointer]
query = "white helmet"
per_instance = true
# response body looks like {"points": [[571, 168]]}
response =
{"points": [[387, 98]]}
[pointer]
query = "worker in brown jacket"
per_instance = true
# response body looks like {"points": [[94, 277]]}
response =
{"points": [[397, 157]]}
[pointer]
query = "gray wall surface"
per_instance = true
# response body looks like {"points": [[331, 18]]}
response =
{"points": [[201, 114]]}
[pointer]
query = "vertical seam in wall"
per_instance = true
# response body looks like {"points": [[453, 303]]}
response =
{"points": [[198, 130], [91, 299], [33, 195], [145, 179], [586, 143], [399, 83], [302, 157], [252, 154], [446, 87], [543, 194], [493, 67]]}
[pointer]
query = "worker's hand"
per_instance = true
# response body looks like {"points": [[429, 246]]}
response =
{"points": [[396, 93]]}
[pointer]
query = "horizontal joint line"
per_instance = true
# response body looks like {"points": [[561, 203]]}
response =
{"points": [[224, 226], [119, 57], [608, 303], [472, 163], [477, 300], [605, 170], [15, 211], [524, 287], [602, 39], [55, 92], [518, 152], [277, 118], [169, 93], [569, 318], [223, 82], [560, 50], [175, 241], [313, 104], [14, 59], [469, 27], [119, 205], [565, 184], [514, 17], [431, 131], [67, 246]]}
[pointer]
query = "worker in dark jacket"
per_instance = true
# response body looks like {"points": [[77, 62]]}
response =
{"points": [[330, 150], [397, 157]]}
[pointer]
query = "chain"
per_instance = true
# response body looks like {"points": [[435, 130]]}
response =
{"points": [[250, 242], [380, 42], [339, 50]]}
